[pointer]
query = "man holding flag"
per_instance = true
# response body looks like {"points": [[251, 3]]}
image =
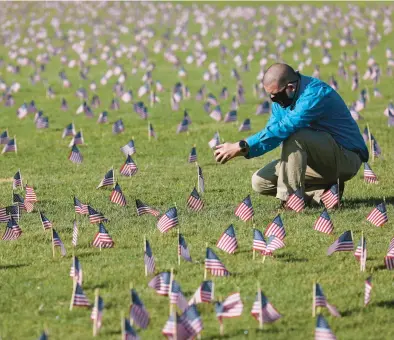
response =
{"points": [[321, 143]]}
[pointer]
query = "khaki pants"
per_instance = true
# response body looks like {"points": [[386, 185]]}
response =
{"points": [[310, 160]]}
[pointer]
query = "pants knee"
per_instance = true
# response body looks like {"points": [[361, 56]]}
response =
{"points": [[262, 185]]}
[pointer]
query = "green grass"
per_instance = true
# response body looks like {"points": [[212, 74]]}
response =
{"points": [[36, 288]]}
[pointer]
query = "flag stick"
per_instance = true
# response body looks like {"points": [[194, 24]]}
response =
{"points": [[170, 290], [339, 195], [53, 246], [178, 252], [198, 179], [314, 299], [73, 294], [372, 152], [362, 268], [95, 321], [254, 251], [131, 303], [205, 266], [16, 148], [260, 306], [146, 268]]}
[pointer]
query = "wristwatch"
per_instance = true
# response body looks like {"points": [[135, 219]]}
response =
{"points": [[244, 147]]}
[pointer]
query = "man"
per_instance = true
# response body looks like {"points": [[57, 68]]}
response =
{"points": [[321, 142]]}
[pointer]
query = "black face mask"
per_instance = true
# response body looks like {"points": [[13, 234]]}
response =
{"points": [[282, 98]]}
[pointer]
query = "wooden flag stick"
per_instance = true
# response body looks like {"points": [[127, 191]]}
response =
{"points": [[16, 148], [73, 295], [131, 302], [314, 299], [178, 250], [96, 302], [169, 293], [53, 245], [146, 267], [205, 266], [198, 179], [339, 195], [254, 251], [260, 306], [362, 267]]}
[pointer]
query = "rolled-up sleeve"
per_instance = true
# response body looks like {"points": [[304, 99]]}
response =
{"points": [[308, 108]]}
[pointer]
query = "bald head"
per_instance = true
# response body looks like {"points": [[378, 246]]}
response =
{"points": [[277, 76]]}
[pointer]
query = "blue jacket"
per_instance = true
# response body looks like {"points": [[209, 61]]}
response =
{"points": [[317, 106]]}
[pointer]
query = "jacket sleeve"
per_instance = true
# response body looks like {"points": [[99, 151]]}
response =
{"points": [[308, 109]]}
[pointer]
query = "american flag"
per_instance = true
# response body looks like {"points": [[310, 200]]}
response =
{"points": [[321, 301], [129, 148], [17, 180], [378, 216], [190, 323], [245, 209], [103, 117], [231, 307], [10, 146], [168, 221], [276, 228], [183, 126], [200, 179], [161, 283], [330, 197], [149, 260], [151, 131], [75, 156], [245, 126], [46, 224], [95, 216], [264, 107], [108, 180], [323, 331], [102, 238], [215, 141], [57, 242], [77, 139], [80, 208], [4, 137], [296, 201], [97, 311], [22, 111], [324, 223], [142, 208], [377, 151], [187, 117], [193, 155], [177, 297], [214, 265], [170, 328], [194, 202], [138, 313], [38, 116], [361, 250], [273, 243], [230, 116], [69, 130], [18, 199], [263, 309], [117, 196], [12, 231], [30, 194], [204, 293], [129, 168], [8, 212], [224, 93], [42, 123], [212, 99], [75, 234], [369, 175], [368, 289], [76, 270], [343, 243], [216, 113], [259, 243], [228, 241], [389, 258], [117, 127], [128, 332], [80, 300], [183, 249]]}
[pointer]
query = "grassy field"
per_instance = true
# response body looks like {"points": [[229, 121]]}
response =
{"points": [[36, 288]]}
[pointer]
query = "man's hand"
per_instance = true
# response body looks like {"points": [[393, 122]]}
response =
{"points": [[225, 152]]}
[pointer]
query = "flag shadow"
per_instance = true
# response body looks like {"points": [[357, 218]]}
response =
{"points": [[384, 304], [286, 257], [13, 266], [355, 203]]}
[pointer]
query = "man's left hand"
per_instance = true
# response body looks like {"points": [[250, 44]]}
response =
{"points": [[225, 152]]}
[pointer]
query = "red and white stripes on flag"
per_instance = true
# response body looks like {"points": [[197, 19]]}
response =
{"points": [[368, 289], [194, 202], [245, 209], [296, 201], [228, 241], [389, 258], [75, 234], [378, 216]]}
